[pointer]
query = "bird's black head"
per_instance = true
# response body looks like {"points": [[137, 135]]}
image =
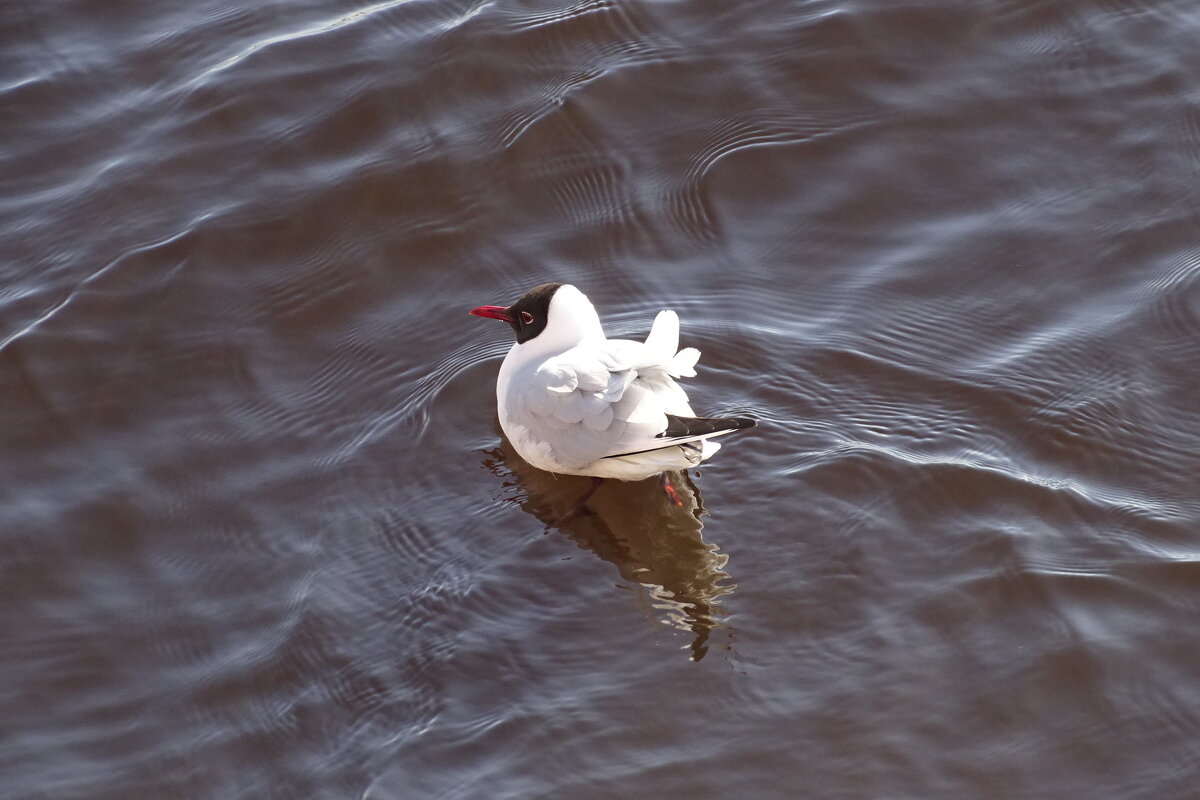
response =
{"points": [[528, 315]]}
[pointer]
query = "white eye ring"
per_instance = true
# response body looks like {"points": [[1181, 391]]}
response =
{"points": [[526, 317]]}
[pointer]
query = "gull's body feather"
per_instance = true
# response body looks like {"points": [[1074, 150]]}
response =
{"points": [[572, 401]]}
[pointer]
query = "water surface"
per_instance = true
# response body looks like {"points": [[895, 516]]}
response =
{"points": [[260, 536]]}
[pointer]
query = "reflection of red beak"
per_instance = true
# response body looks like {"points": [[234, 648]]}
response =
{"points": [[491, 312]]}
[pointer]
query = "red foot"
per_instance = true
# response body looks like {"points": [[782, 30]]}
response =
{"points": [[670, 490]]}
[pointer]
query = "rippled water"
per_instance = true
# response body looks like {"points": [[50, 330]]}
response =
{"points": [[259, 535]]}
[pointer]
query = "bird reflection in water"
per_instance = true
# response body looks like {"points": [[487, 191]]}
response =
{"points": [[653, 542]]}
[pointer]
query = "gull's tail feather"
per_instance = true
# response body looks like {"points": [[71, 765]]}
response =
{"points": [[683, 363], [664, 334], [663, 341]]}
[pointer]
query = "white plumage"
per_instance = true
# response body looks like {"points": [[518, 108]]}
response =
{"points": [[572, 401]]}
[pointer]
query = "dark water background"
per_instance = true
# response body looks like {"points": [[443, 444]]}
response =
{"points": [[259, 537]]}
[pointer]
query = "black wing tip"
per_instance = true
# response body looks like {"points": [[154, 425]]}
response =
{"points": [[699, 426], [693, 426]]}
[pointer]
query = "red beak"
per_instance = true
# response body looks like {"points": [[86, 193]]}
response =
{"points": [[491, 312]]}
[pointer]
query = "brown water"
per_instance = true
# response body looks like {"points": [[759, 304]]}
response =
{"points": [[259, 537]]}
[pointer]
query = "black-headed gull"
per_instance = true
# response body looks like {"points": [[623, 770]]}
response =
{"points": [[572, 401]]}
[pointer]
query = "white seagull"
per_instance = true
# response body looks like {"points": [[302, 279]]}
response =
{"points": [[572, 401]]}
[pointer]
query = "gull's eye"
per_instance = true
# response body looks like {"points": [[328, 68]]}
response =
{"points": [[526, 317]]}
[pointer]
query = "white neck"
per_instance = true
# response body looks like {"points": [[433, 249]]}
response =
{"points": [[572, 321]]}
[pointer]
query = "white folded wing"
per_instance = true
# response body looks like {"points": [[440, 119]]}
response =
{"points": [[610, 397]]}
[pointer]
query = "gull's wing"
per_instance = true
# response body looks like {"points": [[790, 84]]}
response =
{"points": [[612, 398]]}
